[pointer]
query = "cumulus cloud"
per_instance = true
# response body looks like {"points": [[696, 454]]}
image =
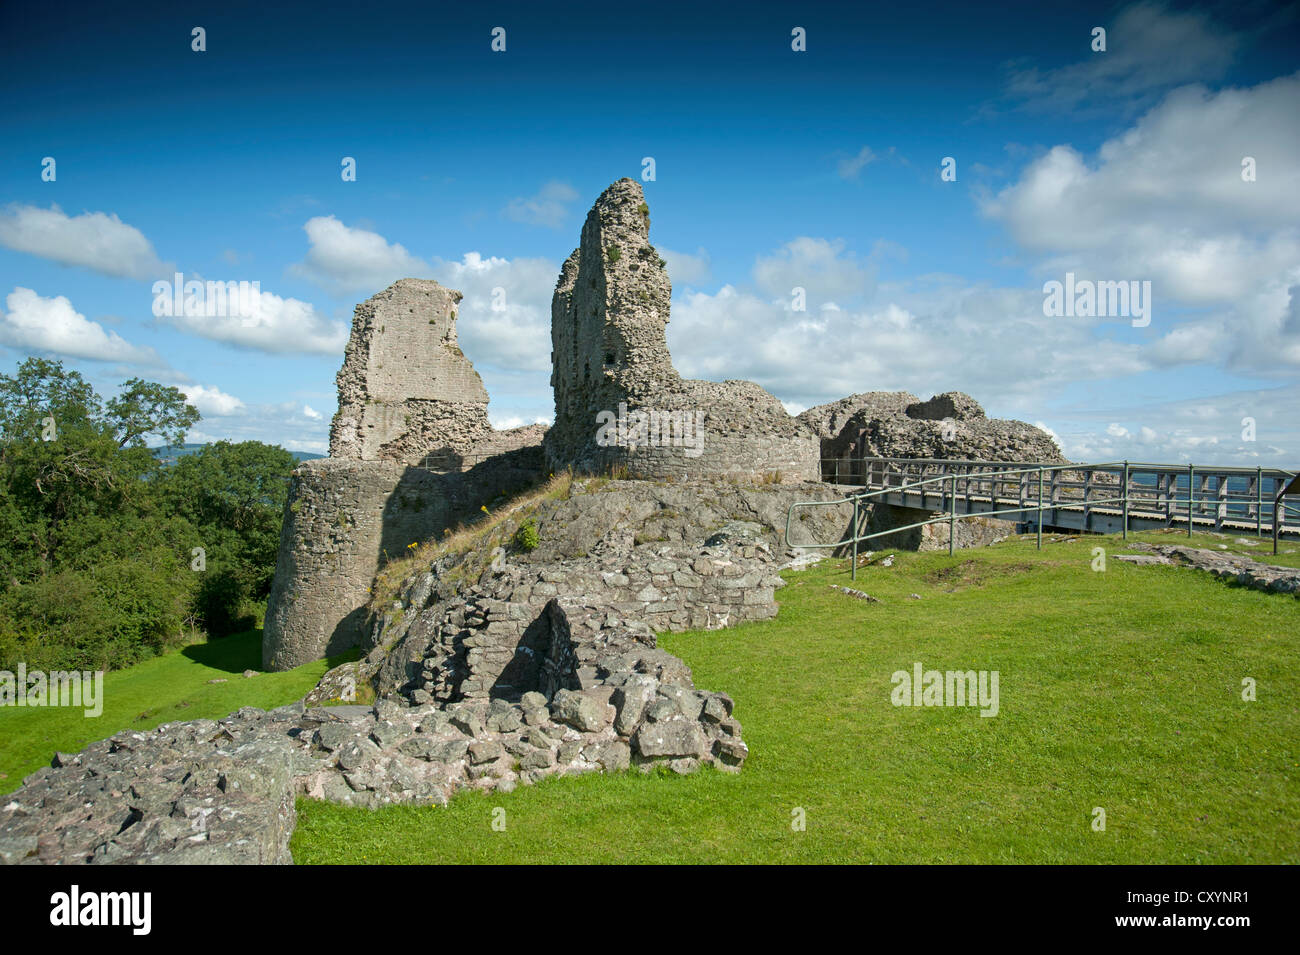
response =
{"points": [[994, 343], [1165, 201], [311, 412], [819, 266], [1204, 430], [93, 240], [505, 316], [271, 324], [34, 323], [514, 420], [549, 207], [283, 423], [1149, 48], [212, 402], [343, 260]]}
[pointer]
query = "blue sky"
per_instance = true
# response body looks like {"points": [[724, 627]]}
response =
{"points": [[773, 169]]}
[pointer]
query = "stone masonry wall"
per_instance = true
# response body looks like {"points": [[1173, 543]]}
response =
{"points": [[405, 388], [344, 520]]}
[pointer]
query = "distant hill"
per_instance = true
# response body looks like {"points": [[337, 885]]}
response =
{"points": [[169, 454]]}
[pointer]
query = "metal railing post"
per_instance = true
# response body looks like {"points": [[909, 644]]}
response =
{"points": [[1259, 502], [1191, 496], [952, 516], [1040, 507], [854, 572], [1125, 500]]}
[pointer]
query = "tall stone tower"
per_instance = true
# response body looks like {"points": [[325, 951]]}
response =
{"points": [[610, 359]]}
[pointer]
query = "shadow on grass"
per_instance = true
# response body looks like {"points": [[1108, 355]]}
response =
{"points": [[243, 651], [233, 654]]}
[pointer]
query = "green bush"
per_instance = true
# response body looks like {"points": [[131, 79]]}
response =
{"points": [[526, 537], [220, 603], [118, 613]]}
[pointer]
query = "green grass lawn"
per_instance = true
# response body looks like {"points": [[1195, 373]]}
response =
{"points": [[1120, 690], [173, 686]]}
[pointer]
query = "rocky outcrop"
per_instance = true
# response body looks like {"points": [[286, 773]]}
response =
{"points": [[223, 792], [828, 421], [953, 405], [619, 403], [452, 635], [198, 792], [406, 391], [1235, 568]]}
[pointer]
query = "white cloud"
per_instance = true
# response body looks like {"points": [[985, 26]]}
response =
{"points": [[283, 423], [93, 240], [511, 328], [994, 343], [515, 420], [277, 325], [549, 207], [852, 167], [1148, 48], [311, 412], [211, 401], [819, 266], [38, 324], [1204, 430], [343, 260], [1165, 201], [685, 269]]}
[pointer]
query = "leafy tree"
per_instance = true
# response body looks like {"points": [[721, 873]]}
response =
{"points": [[146, 407], [45, 389], [234, 495], [96, 534]]}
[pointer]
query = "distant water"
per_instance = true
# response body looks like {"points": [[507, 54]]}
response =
{"points": [[171, 453]]}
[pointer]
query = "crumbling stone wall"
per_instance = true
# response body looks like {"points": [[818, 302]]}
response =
{"points": [[206, 791], [897, 424], [491, 641], [344, 521], [970, 531], [405, 389], [610, 355], [411, 453]]}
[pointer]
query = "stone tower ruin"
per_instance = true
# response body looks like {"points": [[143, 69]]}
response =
{"points": [[406, 391], [610, 360], [411, 454]]}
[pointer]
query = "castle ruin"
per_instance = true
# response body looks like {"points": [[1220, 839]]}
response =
{"points": [[412, 453], [498, 665]]}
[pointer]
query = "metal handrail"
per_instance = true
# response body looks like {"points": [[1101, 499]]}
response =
{"points": [[1126, 468]]}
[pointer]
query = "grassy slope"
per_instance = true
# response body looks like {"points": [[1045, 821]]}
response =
{"points": [[1119, 689], [169, 687]]}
